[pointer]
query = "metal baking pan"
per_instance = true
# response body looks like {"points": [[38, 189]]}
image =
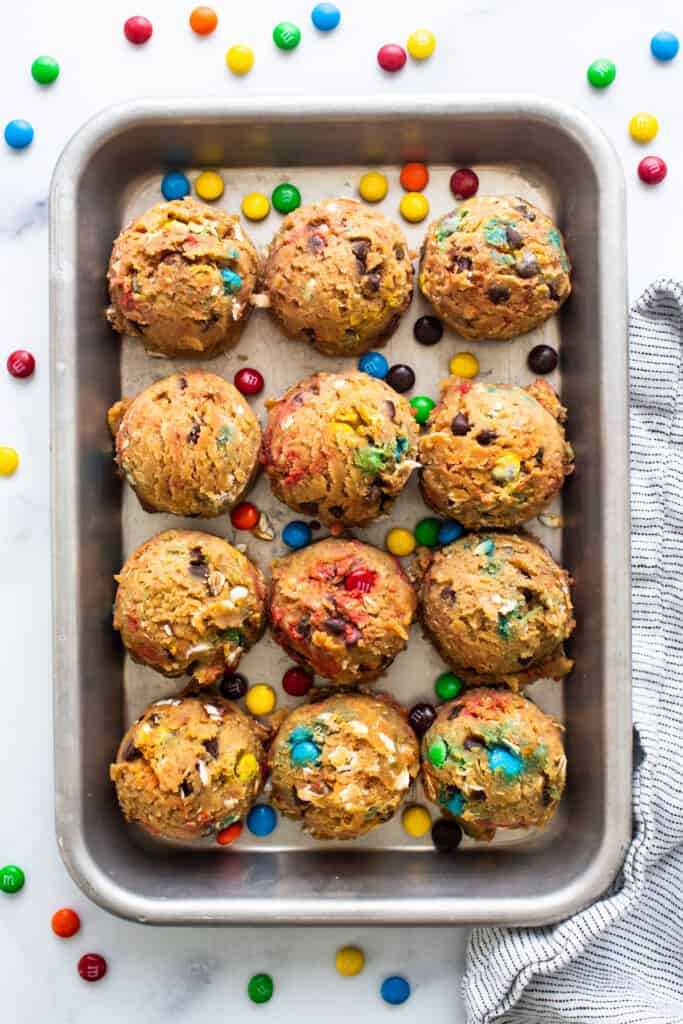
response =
{"points": [[109, 172]]}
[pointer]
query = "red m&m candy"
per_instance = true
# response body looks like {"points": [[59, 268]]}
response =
{"points": [[297, 681], [92, 967], [362, 580], [229, 835], [249, 381], [652, 170], [244, 516], [65, 922], [137, 29], [21, 363], [391, 57], [464, 183]]}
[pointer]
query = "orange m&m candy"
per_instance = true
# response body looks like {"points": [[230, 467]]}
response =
{"points": [[414, 177], [65, 923], [203, 20]]}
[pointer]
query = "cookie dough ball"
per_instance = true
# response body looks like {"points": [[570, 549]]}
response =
{"points": [[495, 267], [339, 275], [343, 608], [180, 278], [342, 766], [494, 455], [492, 759], [188, 602], [189, 767], [340, 446], [498, 608], [188, 444]]}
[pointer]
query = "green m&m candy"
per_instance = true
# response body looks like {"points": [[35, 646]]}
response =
{"points": [[12, 878], [286, 197], [45, 70], [601, 73], [427, 532], [437, 752], [287, 35], [448, 686], [260, 988], [421, 406]]}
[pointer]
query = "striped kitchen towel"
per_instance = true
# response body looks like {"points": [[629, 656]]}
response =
{"points": [[621, 959]]}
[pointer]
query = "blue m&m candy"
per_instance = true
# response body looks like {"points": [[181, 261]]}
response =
{"points": [[664, 45], [449, 531], [261, 820], [325, 17], [297, 534], [305, 752], [175, 185], [455, 803], [395, 990], [374, 364], [232, 282], [18, 134], [504, 760]]}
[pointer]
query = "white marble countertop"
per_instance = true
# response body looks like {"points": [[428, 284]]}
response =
{"points": [[485, 46]]}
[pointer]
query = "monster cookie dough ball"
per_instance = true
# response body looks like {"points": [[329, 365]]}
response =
{"points": [[495, 267], [341, 607], [498, 608], [189, 602], [492, 759], [180, 278], [189, 767], [339, 275], [342, 766], [340, 446], [494, 455], [188, 444]]}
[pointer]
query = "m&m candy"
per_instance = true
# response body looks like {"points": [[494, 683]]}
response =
{"points": [[247, 767], [374, 364], [395, 990], [447, 686], [428, 330], [464, 364], [437, 752], [416, 821], [601, 73], [12, 879], [400, 377], [446, 835], [427, 532], [244, 516], [45, 70], [255, 206], [400, 542], [209, 185], [249, 381], [391, 57], [421, 44], [137, 29], [232, 282], [360, 581], [18, 133], [325, 17], [421, 717], [239, 59], [92, 967], [286, 197], [414, 207], [542, 359], [506, 761], [296, 534], [422, 406], [349, 961], [21, 363], [260, 988], [304, 752], [297, 681], [260, 699], [65, 923], [286, 35], [228, 835], [414, 177], [643, 127], [652, 170], [203, 20], [373, 187], [449, 531], [9, 461], [261, 820], [664, 45], [175, 185], [233, 686], [464, 183]]}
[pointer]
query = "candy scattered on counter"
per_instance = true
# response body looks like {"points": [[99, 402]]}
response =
{"points": [[209, 185], [21, 363], [643, 127], [286, 197], [652, 170], [395, 990], [255, 206], [286, 35], [422, 406], [414, 177], [427, 532], [374, 364], [45, 70], [228, 835], [464, 183], [9, 461], [325, 17], [203, 20], [447, 686], [249, 381], [421, 717], [373, 187], [260, 988], [260, 699], [542, 359], [428, 330], [18, 133], [65, 923], [239, 59], [446, 835], [175, 185], [601, 73], [664, 45], [12, 879], [92, 967], [233, 686], [297, 534], [416, 821], [464, 364], [297, 681], [450, 531], [400, 377], [137, 30], [400, 542], [261, 820], [391, 57], [349, 961], [244, 516], [414, 207], [421, 44]]}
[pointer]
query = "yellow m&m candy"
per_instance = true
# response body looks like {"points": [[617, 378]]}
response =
{"points": [[373, 187], [260, 699], [247, 766], [256, 206], [414, 207], [349, 961], [464, 364], [209, 185], [239, 59], [400, 542], [421, 43], [416, 820], [9, 461], [643, 126]]}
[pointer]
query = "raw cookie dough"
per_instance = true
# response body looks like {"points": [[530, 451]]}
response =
{"points": [[342, 765], [181, 278], [340, 447], [494, 455], [188, 444], [494, 267], [189, 602], [189, 767], [339, 276], [497, 608], [492, 759], [341, 607]]}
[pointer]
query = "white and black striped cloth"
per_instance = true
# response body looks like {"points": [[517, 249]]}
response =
{"points": [[622, 958]]}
